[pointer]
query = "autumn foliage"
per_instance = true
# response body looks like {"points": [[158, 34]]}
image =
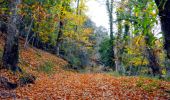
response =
{"points": [[71, 85]]}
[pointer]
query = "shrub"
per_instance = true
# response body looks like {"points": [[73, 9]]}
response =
{"points": [[47, 67], [149, 87], [105, 51]]}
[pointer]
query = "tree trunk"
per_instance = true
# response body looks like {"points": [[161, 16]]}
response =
{"points": [[117, 59], [58, 41], [164, 13], [11, 52], [109, 5], [78, 3], [28, 33], [77, 12], [153, 63], [152, 58], [117, 46]]}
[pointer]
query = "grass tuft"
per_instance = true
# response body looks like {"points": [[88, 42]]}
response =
{"points": [[47, 67]]}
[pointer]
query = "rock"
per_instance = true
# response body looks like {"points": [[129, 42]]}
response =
{"points": [[4, 82], [27, 79]]}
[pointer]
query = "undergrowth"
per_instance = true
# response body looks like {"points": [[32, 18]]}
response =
{"points": [[47, 67], [114, 73], [148, 86]]}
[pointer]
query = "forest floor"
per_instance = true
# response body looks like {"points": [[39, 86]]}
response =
{"points": [[53, 82]]}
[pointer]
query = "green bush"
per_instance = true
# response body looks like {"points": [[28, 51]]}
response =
{"points": [[149, 87], [47, 67], [105, 51]]}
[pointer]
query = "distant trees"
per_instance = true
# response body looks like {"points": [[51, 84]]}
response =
{"points": [[48, 25], [135, 20], [147, 26], [105, 50], [101, 35], [58, 27]]}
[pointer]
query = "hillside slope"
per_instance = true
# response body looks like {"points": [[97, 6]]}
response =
{"points": [[58, 84]]}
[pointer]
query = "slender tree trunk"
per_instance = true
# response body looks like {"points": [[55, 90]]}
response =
{"points": [[11, 52], [59, 40], [77, 12], [109, 5], [28, 33], [117, 48], [60, 33], [117, 59]]}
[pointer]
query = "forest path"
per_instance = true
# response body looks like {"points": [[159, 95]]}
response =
{"points": [[75, 86], [69, 85]]}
